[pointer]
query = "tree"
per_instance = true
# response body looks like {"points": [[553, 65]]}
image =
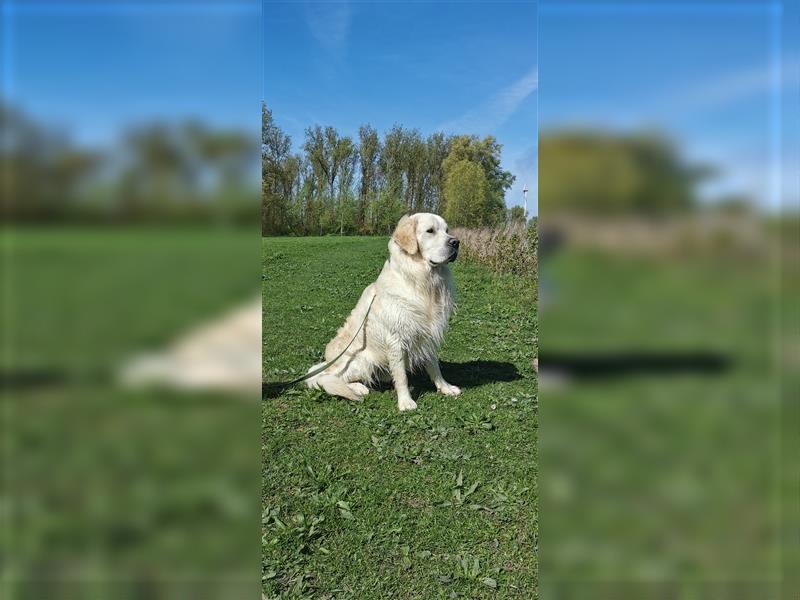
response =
{"points": [[44, 173], [438, 147], [330, 156], [485, 153], [369, 149], [603, 173], [465, 194], [277, 171], [319, 155], [392, 161], [160, 173], [413, 167], [516, 214], [226, 155], [338, 185], [182, 170], [347, 155]]}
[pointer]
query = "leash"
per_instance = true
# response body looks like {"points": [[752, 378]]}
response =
{"points": [[277, 385]]}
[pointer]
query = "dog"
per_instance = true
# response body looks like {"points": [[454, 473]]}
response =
{"points": [[413, 300]]}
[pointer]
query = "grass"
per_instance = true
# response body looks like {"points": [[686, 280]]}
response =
{"points": [[509, 248], [361, 501], [106, 489], [662, 459], [668, 477]]}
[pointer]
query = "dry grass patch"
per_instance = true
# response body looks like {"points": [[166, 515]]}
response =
{"points": [[509, 248]]}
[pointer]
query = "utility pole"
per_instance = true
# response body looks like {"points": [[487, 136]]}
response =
{"points": [[525, 197]]}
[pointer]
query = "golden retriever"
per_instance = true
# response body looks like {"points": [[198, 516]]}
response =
{"points": [[413, 301]]}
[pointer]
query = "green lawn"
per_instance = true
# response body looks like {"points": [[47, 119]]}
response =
{"points": [[661, 462], [361, 501], [662, 480], [107, 491]]}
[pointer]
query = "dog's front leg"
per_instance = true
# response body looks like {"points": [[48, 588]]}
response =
{"points": [[397, 366], [442, 386]]}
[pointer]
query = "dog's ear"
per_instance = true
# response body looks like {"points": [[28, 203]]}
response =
{"points": [[406, 234]]}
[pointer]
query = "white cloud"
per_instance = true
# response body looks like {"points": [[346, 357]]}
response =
{"points": [[733, 87], [745, 160], [329, 23], [491, 114]]}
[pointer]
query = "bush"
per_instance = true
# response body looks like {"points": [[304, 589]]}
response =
{"points": [[509, 248]]}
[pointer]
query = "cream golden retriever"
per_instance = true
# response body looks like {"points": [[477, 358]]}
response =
{"points": [[413, 301]]}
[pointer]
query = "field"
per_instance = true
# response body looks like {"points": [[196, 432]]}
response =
{"points": [[665, 465], [361, 501], [108, 491], [666, 462]]}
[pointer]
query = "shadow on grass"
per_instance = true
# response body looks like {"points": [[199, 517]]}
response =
{"points": [[273, 390], [21, 380], [24, 379], [621, 364], [466, 375]]}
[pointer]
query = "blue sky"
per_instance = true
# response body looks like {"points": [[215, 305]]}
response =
{"points": [[93, 68], [703, 72], [461, 67]]}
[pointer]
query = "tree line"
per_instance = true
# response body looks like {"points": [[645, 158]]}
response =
{"points": [[188, 171], [183, 171], [604, 173], [362, 185]]}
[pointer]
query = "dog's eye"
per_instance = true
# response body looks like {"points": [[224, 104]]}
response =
{"points": [[430, 230]]}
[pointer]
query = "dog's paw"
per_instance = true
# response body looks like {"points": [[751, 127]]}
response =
{"points": [[359, 389], [449, 390], [407, 404]]}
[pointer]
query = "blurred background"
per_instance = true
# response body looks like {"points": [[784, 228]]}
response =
{"points": [[130, 216], [668, 207], [668, 165]]}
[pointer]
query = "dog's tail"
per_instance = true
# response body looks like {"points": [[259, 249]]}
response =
{"points": [[335, 386]]}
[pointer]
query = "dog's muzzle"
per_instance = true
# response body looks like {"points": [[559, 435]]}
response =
{"points": [[454, 244]]}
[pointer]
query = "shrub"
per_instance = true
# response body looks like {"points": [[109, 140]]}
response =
{"points": [[509, 248]]}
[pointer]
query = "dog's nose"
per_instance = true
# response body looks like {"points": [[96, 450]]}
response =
{"points": [[454, 242]]}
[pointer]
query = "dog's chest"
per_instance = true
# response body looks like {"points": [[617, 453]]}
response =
{"points": [[426, 316]]}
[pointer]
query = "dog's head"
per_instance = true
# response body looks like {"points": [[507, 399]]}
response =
{"points": [[426, 236]]}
